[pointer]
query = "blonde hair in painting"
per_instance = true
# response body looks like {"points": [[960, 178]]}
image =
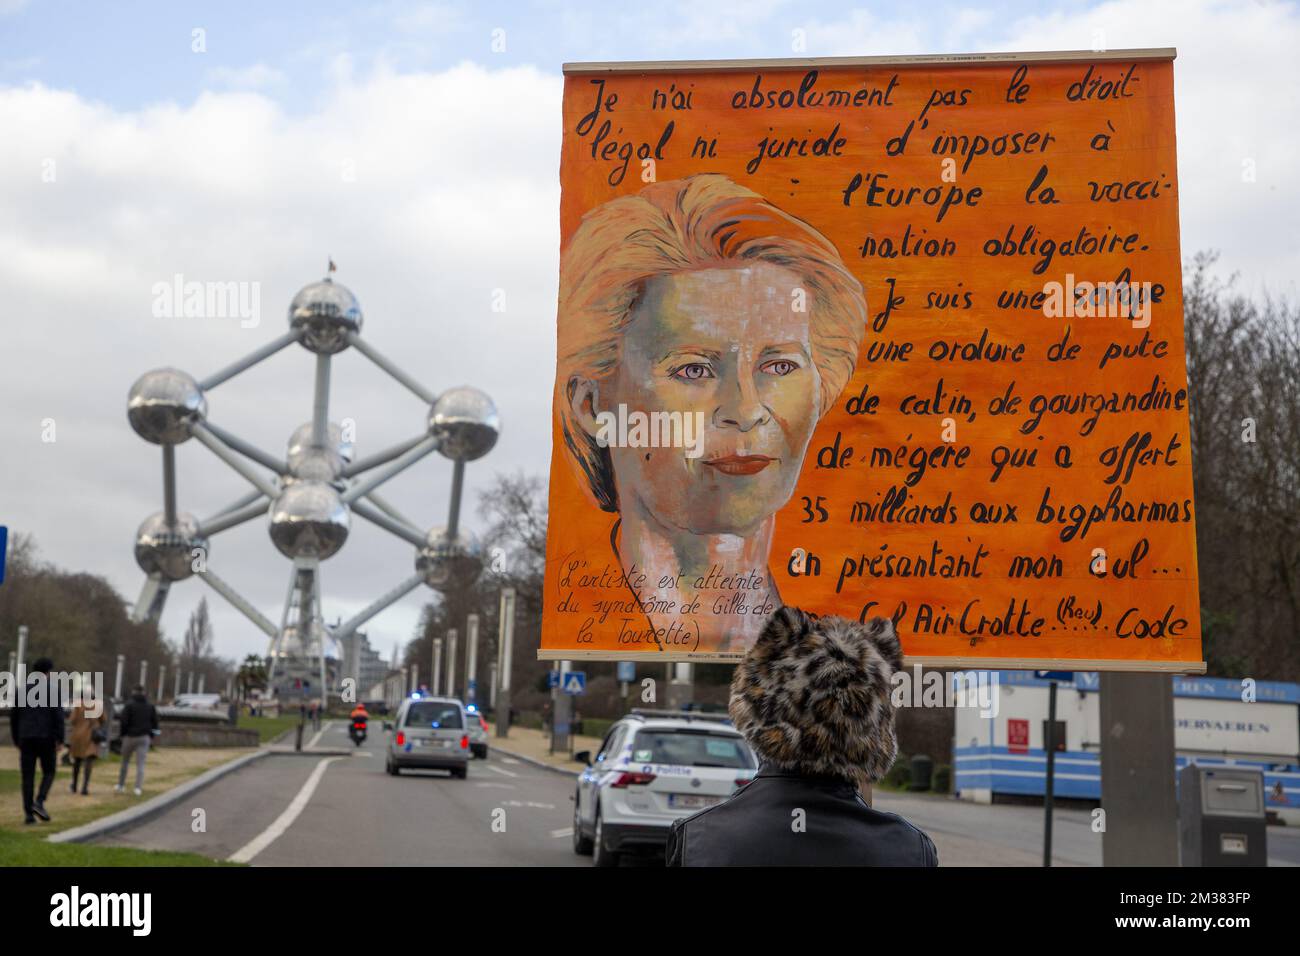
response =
{"points": [[678, 226]]}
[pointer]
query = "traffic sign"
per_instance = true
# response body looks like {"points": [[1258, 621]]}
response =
{"points": [[552, 679], [627, 671], [575, 682], [1065, 677], [4, 540]]}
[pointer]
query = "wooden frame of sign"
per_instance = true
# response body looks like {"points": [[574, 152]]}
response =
{"points": [[904, 336]]}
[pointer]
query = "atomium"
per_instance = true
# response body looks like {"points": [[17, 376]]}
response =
{"points": [[162, 405], [308, 497], [325, 313], [447, 564], [465, 422], [309, 520], [314, 463], [169, 549]]}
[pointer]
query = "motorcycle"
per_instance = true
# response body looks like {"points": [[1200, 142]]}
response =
{"points": [[358, 732]]}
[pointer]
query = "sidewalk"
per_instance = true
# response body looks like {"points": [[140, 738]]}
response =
{"points": [[165, 768], [535, 745]]}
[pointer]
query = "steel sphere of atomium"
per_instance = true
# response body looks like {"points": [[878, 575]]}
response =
{"points": [[308, 462], [168, 549], [325, 312], [465, 422], [162, 405], [309, 519], [448, 565]]}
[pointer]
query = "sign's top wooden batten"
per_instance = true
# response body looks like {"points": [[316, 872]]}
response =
{"points": [[829, 62]]}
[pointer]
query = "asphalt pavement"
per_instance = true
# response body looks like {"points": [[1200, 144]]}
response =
{"points": [[349, 811], [330, 810]]}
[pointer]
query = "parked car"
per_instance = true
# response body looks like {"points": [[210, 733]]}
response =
{"points": [[654, 767], [198, 701], [430, 733], [478, 732]]}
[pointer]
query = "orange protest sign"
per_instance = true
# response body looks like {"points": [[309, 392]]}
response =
{"points": [[873, 337]]}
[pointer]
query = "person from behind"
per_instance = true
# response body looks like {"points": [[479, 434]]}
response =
{"points": [[812, 698], [37, 729], [139, 723], [85, 738]]}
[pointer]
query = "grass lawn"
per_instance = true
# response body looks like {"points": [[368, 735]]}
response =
{"points": [[268, 728], [30, 849], [166, 768]]}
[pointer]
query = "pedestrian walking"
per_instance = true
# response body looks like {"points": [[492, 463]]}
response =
{"points": [[37, 728], [85, 738], [812, 698], [139, 725]]}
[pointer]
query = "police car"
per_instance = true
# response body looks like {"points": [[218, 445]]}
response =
{"points": [[654, 767]]}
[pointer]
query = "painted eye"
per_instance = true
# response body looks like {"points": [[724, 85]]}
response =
{"points": [[694, 372], [780, 367]]}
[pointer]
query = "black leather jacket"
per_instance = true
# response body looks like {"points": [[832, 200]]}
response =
{"points": [[759, 826]]}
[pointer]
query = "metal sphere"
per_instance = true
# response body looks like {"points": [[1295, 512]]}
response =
{"points": [[291, 646], [294, 646], [325, 312], [168, 550], [448, 565], [308, 462], [465, 422], [163, 403], [309, 519]]}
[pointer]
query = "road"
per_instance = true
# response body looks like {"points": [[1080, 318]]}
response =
{"points": [[358, 815], [308, 810]]}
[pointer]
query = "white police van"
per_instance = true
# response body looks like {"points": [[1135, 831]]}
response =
{"points": [[654, 767]]}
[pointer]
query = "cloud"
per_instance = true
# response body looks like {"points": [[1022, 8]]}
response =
{"points": [[259, 76], [1235, 102], [428, 190]]}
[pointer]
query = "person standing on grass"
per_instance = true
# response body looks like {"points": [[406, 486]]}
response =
{"points": [[139, 723], [85, 739], [37, 731]]}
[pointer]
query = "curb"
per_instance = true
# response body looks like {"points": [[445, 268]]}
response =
{"points": [[533, 760], [154, 805]]}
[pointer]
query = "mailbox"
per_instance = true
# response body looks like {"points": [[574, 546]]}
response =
{"points": [[1221, 819]]}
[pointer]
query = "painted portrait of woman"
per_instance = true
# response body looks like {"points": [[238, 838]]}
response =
{"points": [[698, 296]]}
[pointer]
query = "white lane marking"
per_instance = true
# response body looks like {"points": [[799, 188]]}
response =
{"points": [[528, 803], [497, 786], [315, 740], [567, 831], [285, 820], [509, 760], [363, 753], [503, 772]]}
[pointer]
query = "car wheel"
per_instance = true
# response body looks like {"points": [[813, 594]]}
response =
{"points": [[600, 855], [461, 773], [582, 844], [393, 769]]}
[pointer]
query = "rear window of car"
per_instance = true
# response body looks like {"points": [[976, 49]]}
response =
{"points": [[691, 748], [430, 714]]}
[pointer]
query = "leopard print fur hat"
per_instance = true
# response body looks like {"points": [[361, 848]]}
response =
{"points": [[813, 695]]}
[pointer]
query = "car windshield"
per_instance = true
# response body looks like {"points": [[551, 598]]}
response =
{"points": [[691, 748], [433, 714]]}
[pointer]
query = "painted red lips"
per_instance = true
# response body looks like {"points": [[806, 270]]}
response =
{"points": [[740, 464]]}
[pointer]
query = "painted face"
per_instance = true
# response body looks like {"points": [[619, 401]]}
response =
{"points": [[728, 344]]}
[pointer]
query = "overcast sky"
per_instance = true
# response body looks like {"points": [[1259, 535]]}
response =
{"points": [[392, 137]]}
